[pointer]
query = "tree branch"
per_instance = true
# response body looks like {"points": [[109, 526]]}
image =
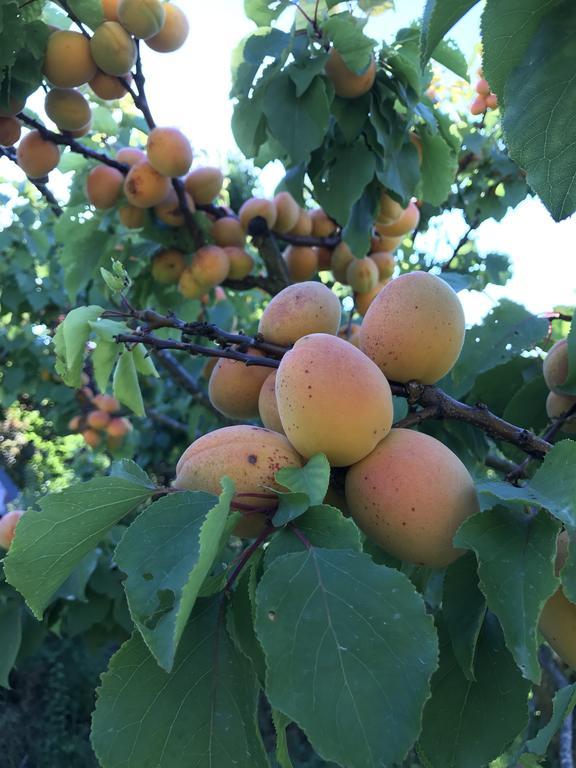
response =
{"points": [[40, 185], [167, 421]]}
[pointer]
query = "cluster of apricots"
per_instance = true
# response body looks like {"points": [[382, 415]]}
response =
{"points": [[101, 422], [555, 370], [485, 99]]}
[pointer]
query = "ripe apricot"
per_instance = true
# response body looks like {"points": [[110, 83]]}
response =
{"points": [[67, 108], [68, 60], [228, 231], [92, 438], [362, 275], [210, 266], [169, 151], [234, 387], [332, 399], [303, 226], [322, 224], [250, 457], [10, 130], [410, 495], [407, 222], [363, 300], [208, 367], [8, 523], [347, 83], [36, 156], [142, 18], [301, 262], [79, 132], [268, 406], [351, 333], [558, 617], [110, 10], [106, 403], [167, 266], [558, 405], [324, 258], [189, 287], [173, 33], [288, 212], [241, 263], [108, 87], [478, 106], [119, 427], [112, 49], [132, 217], [381, 242], [300, 309], [389, 210], [492, 101], [170, 212], [98, 419], [74, 423], [144, 187], [482, 87], [342, 257], [131, 156], [414, 328], [385, 262], [204, 184], [257, 207], [103, 186], [555, 366]]}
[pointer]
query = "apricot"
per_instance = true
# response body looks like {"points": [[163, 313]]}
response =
{"points": [[385, 263], [8, 523], [342, 257], [363, 300], [144, 187], [167, 266], [68, 60], [36, 156], [414, 328], [169, 151], [407, 222], [288, 212], [106, 403], [234, 387], [74, 423], [108, 87], [555, 366], [257, 207], [204, 184], [142, 18], [301, 262], [103, 186], [170, 212], [92, 438], [332, 399], [410, 495], [98, 419], [558, 405], [482, 87], [10, 130], [67, 108], [303, 226], [268, 406], [322, 224], [228, 231], [250, 457], [173, 33], [210, 266], [119, 427], [389, 210], [110, 10], [351, 333], [478, 106], [189, 287], [79, 132], [241, 263], [112, 49], [298, 310], [382, 242], [347, 83], [132, 217], [208, 367], [131, 156], [362, 275], [324, 258], [558, 617], [492, 101]]}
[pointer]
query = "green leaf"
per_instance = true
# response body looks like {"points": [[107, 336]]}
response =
{"points": [[438, 19], [249, 124], [463, 609], [351, 115], [143, 362], [10, 638], [341, 633], [70, 343], [438, 169], [564, 702], [290, 507], [540, 97], [344, 31], [202, 713], [50, 543], [450, 56], [81, 247], [87, 11], [130, 471], [242, 614], [356, 233], [166, 554], [126, 386], [304, 72], [312, 479], [467, 724], [281, 722], [260, 13], [516, 553]]}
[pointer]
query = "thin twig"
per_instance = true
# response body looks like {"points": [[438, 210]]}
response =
{"points": [[41, 186], [246, 555]]}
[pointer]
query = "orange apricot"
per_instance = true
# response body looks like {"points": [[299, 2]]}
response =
{"points": [[142, 18], [288, 212], [555, 366], [301, 262], [169, 210], [228, 231], [131, 156], [234, 387], [257, 207], [241, 263], [385, 262], [132, 217], [210, 266], [144, 187], [103, 186], [108, 87], [68, 60], [173, 33], [167, 266], [8, 523], [36, 156], [300, 309], [407, 222], [204, 184], [98, 419], [106, 403], [10, 130], [112, 48], [268, 406], [362, 275], [341, 259], [347, 83], [169, 151]]}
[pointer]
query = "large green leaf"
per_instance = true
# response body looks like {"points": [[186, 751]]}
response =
{"points": [[540, 97], [439, 166], [450, 56], [242, 615], [438, 19], [52, 541], [515, 554], [166, 554], [467, 724], [201, 714], [349, 652]]}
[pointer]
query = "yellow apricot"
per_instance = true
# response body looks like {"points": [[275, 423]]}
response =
{"points": [[79, 132], [169, 210], [210, 266], [362, 275], [407, 222], [381, 242], [113, 49], [389, 210], [228, 231], [250, 457], [8, 523], [103, 186], [108, 87], [234, 387], [173, 33], [142, 18], [301, 262], [241, 263], [558, 405], [385, 262], [414, 328], [558, 617], [257, 207], [130, 156], [204, 184], [119, 427], [298, 310], [67, 108], [268, 406], [288, 212], [363, 300], [110, 10], [208, 367], [169, 151], [303, 226], [167, 266], [106, 403], [351, 333], [10, 130], [410, 495], [555, 366], [132, 217], [322, 224], [341, 259], [68, 59], [332, 399], [36, 156], [189, 286], [144, 187], [347, 83]]}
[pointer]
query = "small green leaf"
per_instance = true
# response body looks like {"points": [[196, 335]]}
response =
{"points": [[70, 343], [564, 702], [438, 19], [281, 722], [290, 507], [450, 56], [312, 479], [143, 362], [126, 386]]}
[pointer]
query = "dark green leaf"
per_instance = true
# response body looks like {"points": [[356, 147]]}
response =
{"points": [[345, 32], [262, 12], [10, 638], [242, 614], [564, 702], [439, 166], [290, 507], [281, 722], [439, 18]]}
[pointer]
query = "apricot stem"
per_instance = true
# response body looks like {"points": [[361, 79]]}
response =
{"points": [[246, 555]]}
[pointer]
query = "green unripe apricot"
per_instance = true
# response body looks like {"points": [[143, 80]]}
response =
{"points": [[113, 49], [142, 18]]}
